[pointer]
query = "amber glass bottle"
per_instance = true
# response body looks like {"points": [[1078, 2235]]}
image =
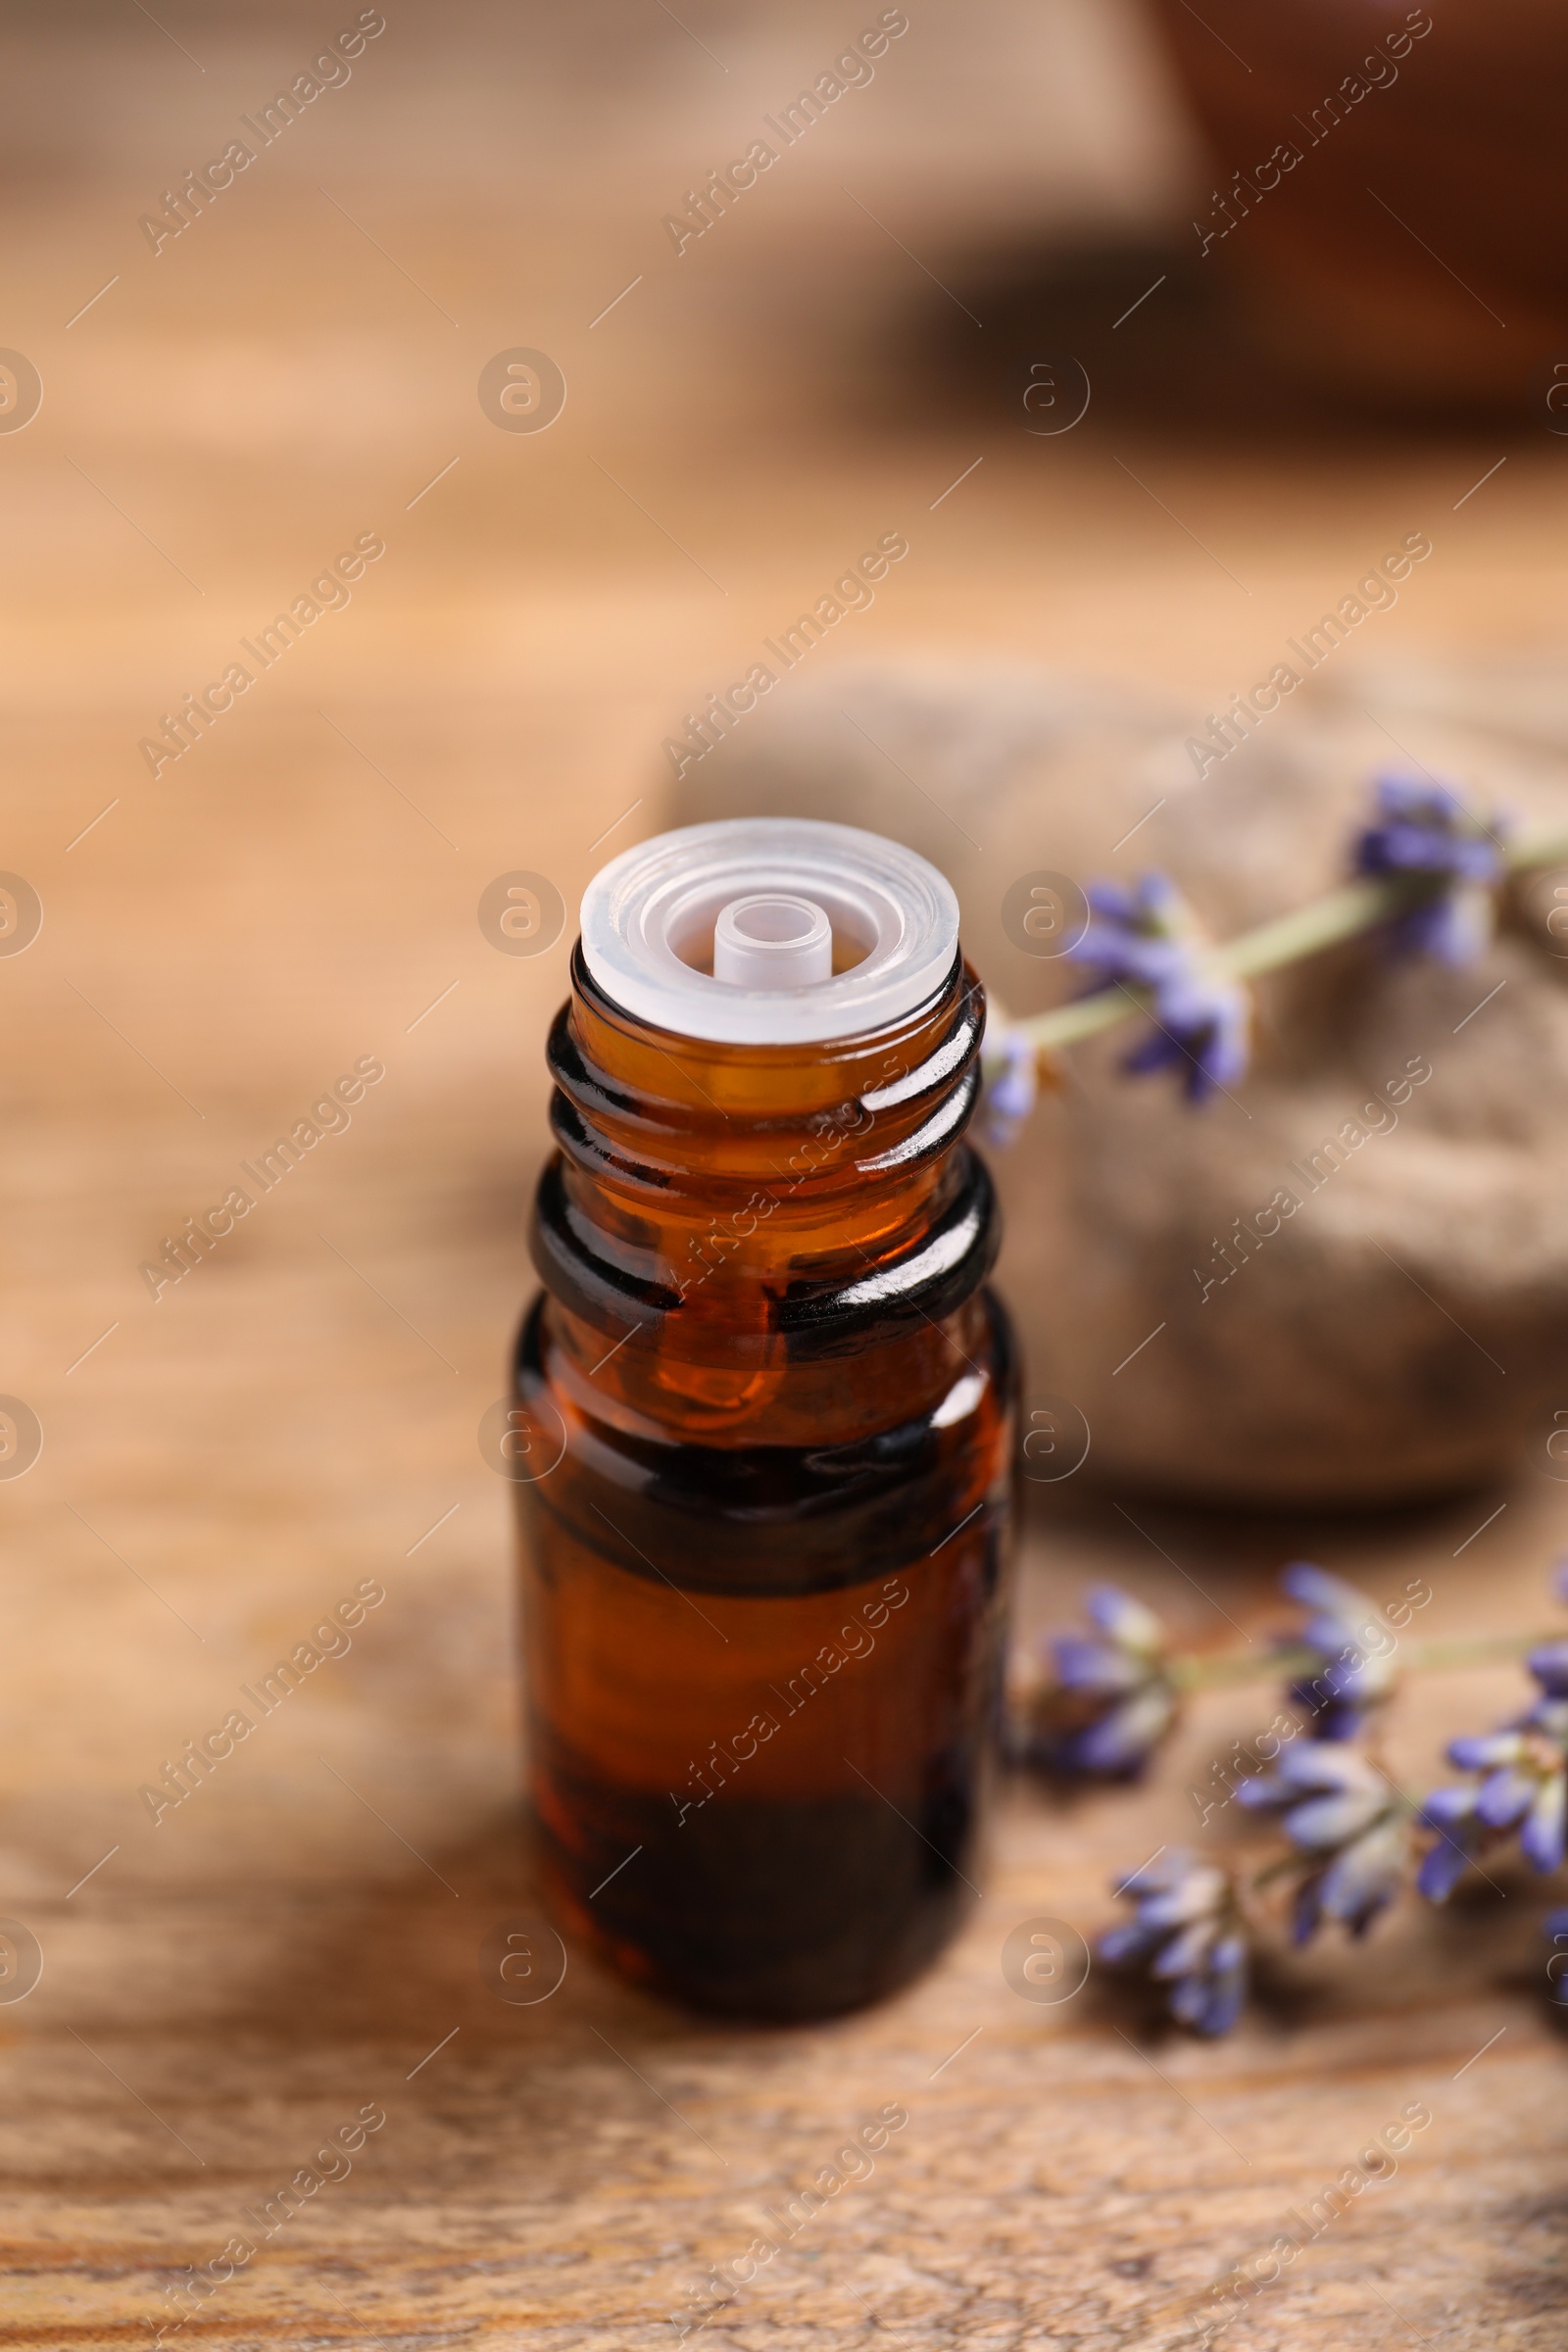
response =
{"points": [[768, 1404]]}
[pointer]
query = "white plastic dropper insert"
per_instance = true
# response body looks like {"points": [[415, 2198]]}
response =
{"points": [[732, 931], [773, 941]]}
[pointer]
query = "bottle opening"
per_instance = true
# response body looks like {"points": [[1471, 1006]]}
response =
{"points": [[772, 942], [770, 931]]}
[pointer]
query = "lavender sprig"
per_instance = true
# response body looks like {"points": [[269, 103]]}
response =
{"points": [[1111, 1699], [1424, 837], [1347, 1828], [1350, 1825], [1188, 1936], [1148, 939], [1422, 874], [1352, 1668], [1011, 1094], [1523, 1785]]}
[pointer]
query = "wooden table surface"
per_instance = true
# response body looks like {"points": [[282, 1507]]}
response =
{"points": [[302, 1939]]}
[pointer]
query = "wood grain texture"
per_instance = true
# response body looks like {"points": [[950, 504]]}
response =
{"points": [[303, 1936]]}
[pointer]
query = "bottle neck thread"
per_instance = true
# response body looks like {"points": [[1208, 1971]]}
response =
{"points": [[739, 1204]]}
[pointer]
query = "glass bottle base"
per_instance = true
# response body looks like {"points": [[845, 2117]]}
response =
{"points": [[774, 1910]]}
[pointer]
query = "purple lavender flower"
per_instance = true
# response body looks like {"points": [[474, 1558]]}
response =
{"points": [[1349, 1823], [1351, 1670], [1189, 1935], [1523, 1788], [1111, 1699], [1426, 837], [1554, 1927], [1010, 1096], [1148, 938]]}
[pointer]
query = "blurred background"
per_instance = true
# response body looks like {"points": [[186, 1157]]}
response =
{"points": [[1285, 377]]}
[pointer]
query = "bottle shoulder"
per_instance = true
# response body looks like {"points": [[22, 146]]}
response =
{"points": [[864, 1468]]}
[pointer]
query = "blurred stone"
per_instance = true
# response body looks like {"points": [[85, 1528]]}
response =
{"points": [[1399, 1333]]}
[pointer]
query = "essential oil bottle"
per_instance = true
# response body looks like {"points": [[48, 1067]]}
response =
{"points": [[768, 1403]]}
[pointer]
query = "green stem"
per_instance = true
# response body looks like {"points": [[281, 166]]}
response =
{"points": [[1324, 922], [1230, 1668], [1279, 1869], [1308, 930], [1546, 849]]}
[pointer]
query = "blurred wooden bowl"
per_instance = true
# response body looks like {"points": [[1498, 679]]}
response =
{"points": [[1448, 287]]}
